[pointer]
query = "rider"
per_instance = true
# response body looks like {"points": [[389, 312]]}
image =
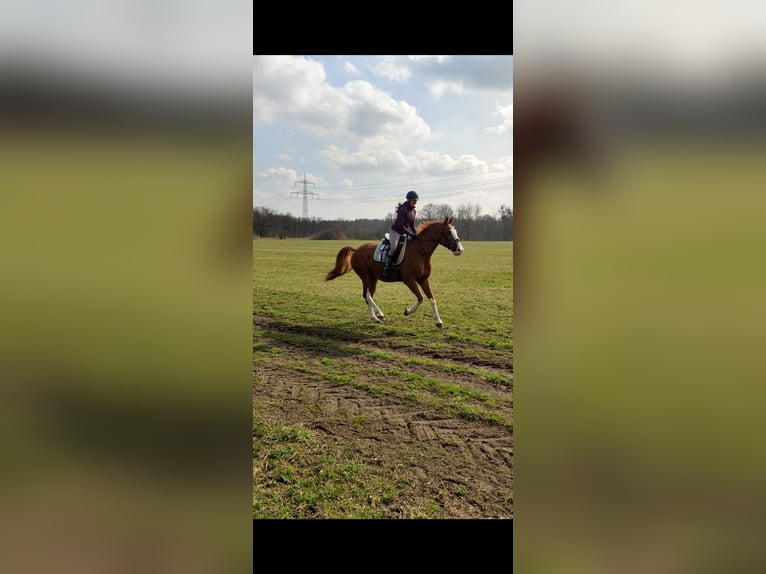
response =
{"points": [[403, 225]]}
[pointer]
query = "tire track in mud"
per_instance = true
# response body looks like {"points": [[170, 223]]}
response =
{"points": [[416, 438], [502, 360], [329, 343], [338, 405]]}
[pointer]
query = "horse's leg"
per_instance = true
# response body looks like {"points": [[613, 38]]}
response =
{"points": [[412, 284], [367, 296], [425, 283], [362, 268], [372, 284]]}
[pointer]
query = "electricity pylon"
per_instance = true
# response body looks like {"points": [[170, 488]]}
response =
{"points": [[305, 193]]}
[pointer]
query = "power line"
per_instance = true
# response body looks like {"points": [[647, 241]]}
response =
{"points": [[430, 179], [439, 192]]}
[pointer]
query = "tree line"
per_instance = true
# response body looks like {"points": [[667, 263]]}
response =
{"points": [[471, 224]]}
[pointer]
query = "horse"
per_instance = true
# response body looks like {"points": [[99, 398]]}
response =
{"points": [[414, 270]]}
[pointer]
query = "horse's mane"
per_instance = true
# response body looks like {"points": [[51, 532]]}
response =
{"points": [[423, 225]]}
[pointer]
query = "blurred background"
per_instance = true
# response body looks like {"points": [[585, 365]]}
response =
{"points": [[640, 140], [126, 291]]}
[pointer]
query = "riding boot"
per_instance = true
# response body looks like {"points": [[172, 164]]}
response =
{"points": [[387, 266]]}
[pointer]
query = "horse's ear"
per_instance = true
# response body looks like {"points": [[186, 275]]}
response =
{"points": [[448, 220]]}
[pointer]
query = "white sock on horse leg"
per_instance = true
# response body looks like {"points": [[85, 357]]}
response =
{"points": [[373, 309], [435, 311], [412, 309]]}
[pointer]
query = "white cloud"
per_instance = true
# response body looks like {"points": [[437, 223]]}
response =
{"points": [[506, 126], [396, 163], [287, 178], [373, 113], [374, 157], [394, 68], [438, 59], [350, 68], [278, 175], [459, 74], [295, 88], [429, 161], [440, 87], [283, 82]]}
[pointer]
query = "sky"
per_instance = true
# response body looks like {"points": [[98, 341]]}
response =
{"points": [[365, 130]]}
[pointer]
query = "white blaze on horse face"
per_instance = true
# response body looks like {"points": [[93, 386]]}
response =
{"points": [[460, 248]]}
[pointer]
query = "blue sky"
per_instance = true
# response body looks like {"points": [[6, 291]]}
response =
{"points": [[367, 129]]}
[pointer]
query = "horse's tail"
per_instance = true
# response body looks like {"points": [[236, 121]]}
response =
{"points": [[342, 263]]}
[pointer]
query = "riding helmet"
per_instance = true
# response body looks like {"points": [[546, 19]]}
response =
{"points": [[412, 195]]}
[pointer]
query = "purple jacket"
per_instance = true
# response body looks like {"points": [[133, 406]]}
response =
{"points": [[405, 220]]}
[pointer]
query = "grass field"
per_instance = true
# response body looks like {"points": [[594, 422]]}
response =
{"points": [[353, 419]]}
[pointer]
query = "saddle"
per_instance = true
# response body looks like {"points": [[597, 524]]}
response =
{"points": [[383, 247]]}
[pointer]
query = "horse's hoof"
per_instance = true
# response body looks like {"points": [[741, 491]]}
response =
{"points": [[405, 312], [440, 325]]}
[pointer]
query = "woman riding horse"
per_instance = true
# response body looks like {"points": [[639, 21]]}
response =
{"points": [[404, 224], [414, 271]]}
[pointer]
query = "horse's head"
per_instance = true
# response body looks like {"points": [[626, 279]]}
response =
{"points": [[449, 237]]}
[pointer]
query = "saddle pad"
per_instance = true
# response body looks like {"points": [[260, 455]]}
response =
{"points": [[382, 250]]}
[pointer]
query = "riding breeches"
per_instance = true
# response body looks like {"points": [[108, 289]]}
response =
{"points": [[393, 237]]}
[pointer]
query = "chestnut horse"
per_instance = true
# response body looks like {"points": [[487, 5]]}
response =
{"points": [[414, 270]]}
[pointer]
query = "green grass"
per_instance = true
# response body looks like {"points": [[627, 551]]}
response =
{"points": [[296, 476], [318, 330], [474, 293]]}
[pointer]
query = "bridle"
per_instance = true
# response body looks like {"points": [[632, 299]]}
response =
{"points": [[451, 243], [454, 242]]}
